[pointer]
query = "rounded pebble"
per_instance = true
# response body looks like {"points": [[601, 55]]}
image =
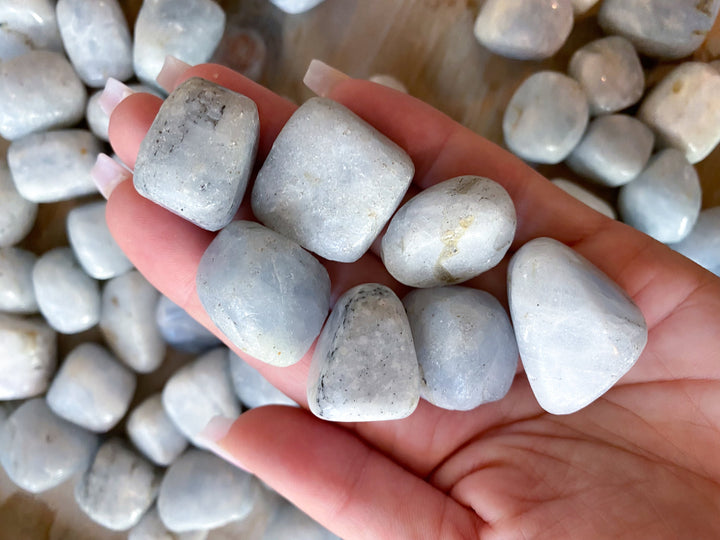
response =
{"points": [[27, 356], [702, 245], [153, 433], [17, 214], [16, 288]]}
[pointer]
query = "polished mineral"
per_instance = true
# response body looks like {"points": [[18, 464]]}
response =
{"points": [[296, 6], [27, 356], [153, 433], [252, 388], [16, 289], [180, 330], [586, 197], [702, 245], [17, 214], [33, 19]]}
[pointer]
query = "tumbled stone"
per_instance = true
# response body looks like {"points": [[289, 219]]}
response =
{"points": [[153, 433], [17, 214], [201, 491], [54, 165], [273, 304], [97, 39], [610, 73], [197, 157], [180, 330], [465, 346], [252, 388], [524, 29], [450, 232], [118, 488], [127, 321], [186, 29], [68, 298], [151, 527], [296, 6], [290, 523], [364, 366], [613, 151], [13, 44], [546, 118], [16, 289], [684, 110], [586, 197], [331, 181], [389, 81], [91, 389], [27, 356], [578, 332], [39, 450], [35, 19], [98, 120], [665, 29], [702, 245], [39, 90], [664, 201]]}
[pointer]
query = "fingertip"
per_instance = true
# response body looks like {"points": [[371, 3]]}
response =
{"points": [[129, 123]]}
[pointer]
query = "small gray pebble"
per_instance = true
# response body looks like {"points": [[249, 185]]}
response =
{"points": [[33, 18], [27, 356], [585, 196], [252, 388], [296, 6], [151, 527], [153, 433], [16, 289], [702, 245], [180, 330], [17, 214]]}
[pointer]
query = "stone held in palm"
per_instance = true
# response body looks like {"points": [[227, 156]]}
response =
{"points": [[16, 289], [153, 433], [17, 214]]}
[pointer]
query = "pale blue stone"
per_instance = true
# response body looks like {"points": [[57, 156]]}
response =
{"points": [[153, 433], [180, 330], [33, 18], [16, 288], [296, 6], [27, 356], [586, 197], [151, 527], [290, 523], [702, 245], [13, 44], [17, 214], [252, 388]]}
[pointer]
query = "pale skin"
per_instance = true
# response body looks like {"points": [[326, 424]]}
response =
{"points": [[640, 462]]}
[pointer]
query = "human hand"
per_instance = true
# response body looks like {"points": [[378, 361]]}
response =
{"points": [[640, 462]]}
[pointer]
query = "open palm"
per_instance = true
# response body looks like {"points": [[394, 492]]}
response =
{"points": [[640, 462]]}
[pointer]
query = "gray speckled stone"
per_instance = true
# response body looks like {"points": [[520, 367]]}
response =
{"points": [[153, 433], [252, 388], [546, 117], [27, 356], [91, 389], [39, 450], [578, 332], [13, 44], [16, 289], [68, 298], [273, 304], [450, 232], [127, 321], [54, 165], [39, 90], [664, 201], [586, 197], [97, 39], [186, 29], [201, 491], [98, 120], [524, 29], [118, 488], [613, 151], [364, 366], [296, 6], [151, 527], [290, 523], [331, 181], [665, 29], [702, 245], [180, 330], [17, 214], [198, 154], [35, 19], [465, 346], [610, 73]]}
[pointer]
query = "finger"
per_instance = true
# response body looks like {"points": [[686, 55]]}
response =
{"points": [[129, 122]]}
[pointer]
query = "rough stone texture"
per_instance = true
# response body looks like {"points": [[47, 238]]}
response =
{"points": [[664, 201], [290, 523], [465, 346], [17, 214], [273, 304], [613, 151], [91, 389], [180, 330], [524, 29], [546, 117], [98, 120], [34, 19], [68, 298], [118, 488], [610, 73], [586, 197], [55, 165], [296, 6], [153, 433], [665, 29], [151, 527], [27, 356], [252, 388], [684, 110], [186, 29], [450, 232], [97, 39], [578, 332], [331, 181], [702, 245], [364, 366], [127, 321], [39, 450], [197, 157], [38, 91], [16, 289]]}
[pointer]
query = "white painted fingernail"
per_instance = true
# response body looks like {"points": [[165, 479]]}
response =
{"points": [[322, 79], [114, 93], [107, 174], [211, 436], [172, 70]]}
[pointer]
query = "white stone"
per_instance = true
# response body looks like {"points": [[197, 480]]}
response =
{"points": [[613, 151], [27, 356], [127, 321], [180, 330], [13, 44], [252, 388], [684, 110], [290, 523], [39, 450], [39, 90], [273, 302], [16, 289], [153, 433], [54, 165], [586, 197], [296, 6], [449, 233], [664, 201], [524, 29], [702, 245], [151, 527], [581, 7], [610, 73], [68, 298], [578, 332], [17, 214], [546, 117], [389, 81], [98, 120], [364, 366], [331, 181], [35, 19]]}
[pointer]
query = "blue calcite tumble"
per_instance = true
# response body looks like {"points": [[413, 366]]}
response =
{"points": [[17, 214], [27, 356], [35, 20], [153, 433], [151, 527], [180, 330], [16, 288], [702, 245], [252, 388]]}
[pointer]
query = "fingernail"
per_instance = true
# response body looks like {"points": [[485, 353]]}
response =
{"points": [[114, 93], [321, 78], [212, 438], [170, 73], [107, 174]]}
